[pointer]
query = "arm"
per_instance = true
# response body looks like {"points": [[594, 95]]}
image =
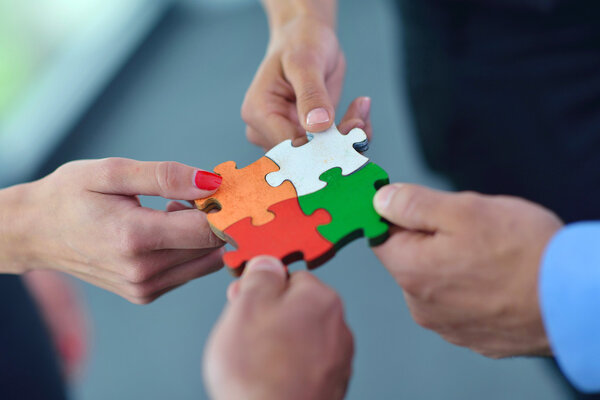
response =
{"points": [[85, 219], [299, 82], [280, 13], [570, 302]]}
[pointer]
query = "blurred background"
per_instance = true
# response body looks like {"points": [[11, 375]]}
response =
{"points": [[164, 80]]}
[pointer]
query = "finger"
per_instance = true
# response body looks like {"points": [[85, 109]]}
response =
{"points": [[417, 208], [183, 273], [358, 115], [315, 107], [173, 206], [156, 230], [154, 263], [335, 80], [167, 179], [405, 251], [303, 284], [233, 290], [263, 280]]}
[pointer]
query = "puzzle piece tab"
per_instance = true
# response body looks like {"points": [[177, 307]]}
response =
{"points": [[244, 193], [349, 200], [303, 165], [290, 237]]}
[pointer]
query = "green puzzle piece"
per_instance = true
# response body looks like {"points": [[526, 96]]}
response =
{"points": [[349, 200]]}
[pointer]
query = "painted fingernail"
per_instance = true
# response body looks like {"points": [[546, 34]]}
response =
{"points": [[207, 180], [383, 197], [365, 107], [264, 263], [317, 116]]}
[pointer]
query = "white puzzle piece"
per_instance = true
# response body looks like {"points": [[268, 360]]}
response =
{"points": [[326, 150]]}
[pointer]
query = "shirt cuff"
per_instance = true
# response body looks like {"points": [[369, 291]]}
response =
{"points": [[570, 302]]}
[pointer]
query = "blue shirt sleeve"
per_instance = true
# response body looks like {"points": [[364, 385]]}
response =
{"points": [[570, 302]]}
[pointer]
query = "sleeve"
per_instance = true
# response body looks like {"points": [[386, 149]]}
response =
{"points": [[570, 302]]}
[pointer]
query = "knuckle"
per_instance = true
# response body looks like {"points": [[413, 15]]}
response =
{"points": [[409, 282], [472, 202], [424, 321], [248, 110], [301, 58], [130, 241], [111, 168], [311, 93], [253, 137], [141, 301], [141, 291], [137, 273], [411, 201], [166, 176]]}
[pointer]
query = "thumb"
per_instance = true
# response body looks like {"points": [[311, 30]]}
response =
{"points": [[167, 179], [315, 108], [415, 207], [264, 279]]}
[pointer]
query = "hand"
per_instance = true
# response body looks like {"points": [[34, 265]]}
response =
{"points": [[63, 310], [298, 85], [279, 339], [85, 219], [469, 265]]}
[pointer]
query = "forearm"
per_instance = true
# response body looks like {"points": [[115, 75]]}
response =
{"points": [[14, 220], [280, 12]]}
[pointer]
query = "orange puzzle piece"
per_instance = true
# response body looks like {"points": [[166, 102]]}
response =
{"points": [[290, 237], [244, 193]]}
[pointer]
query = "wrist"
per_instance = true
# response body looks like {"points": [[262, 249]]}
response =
{"points": [[281, 13], [15, 230]]}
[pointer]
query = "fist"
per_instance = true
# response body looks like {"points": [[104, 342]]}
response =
{"points": [[279, 338]]}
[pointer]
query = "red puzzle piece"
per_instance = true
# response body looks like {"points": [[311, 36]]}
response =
{"points": [[291, 236]]}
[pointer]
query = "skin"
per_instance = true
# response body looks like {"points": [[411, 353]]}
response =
{"points": [[85, 219], [469, 265], [279, 338], [303, 70]]}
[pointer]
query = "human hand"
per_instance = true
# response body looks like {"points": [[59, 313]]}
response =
{"points": [[279, 338], [298, 85], [63, 311], [86, 219], [468, 264]]}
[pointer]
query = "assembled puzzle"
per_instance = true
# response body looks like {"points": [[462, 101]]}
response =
{"points": [[297, 203]]}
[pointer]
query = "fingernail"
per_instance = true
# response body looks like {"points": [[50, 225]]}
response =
{"points": [[317, 116], [264, 263], [383, 197], [365, 107], [207, 180]]}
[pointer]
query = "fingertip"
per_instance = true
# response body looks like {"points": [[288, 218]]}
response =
{"points": [[265, 264], [233, 290], [383, 197], [319, 119], [364, 107], [207, 181]]}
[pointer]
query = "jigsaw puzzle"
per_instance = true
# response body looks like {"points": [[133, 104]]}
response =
{"points": [[291, 236], [298, 203], [244, 193]]}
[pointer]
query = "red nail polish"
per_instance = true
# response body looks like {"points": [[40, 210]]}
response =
{"points": [[207, 180]]}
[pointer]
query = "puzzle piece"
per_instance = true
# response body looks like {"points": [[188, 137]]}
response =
{"points": [[290, 237], [244, 193], [349, 200], [304, 164]]}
